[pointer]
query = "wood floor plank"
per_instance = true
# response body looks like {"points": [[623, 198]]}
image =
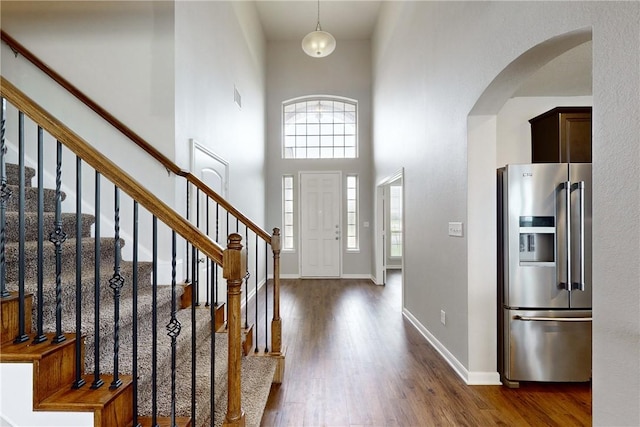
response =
{"points": [[353, 360]]}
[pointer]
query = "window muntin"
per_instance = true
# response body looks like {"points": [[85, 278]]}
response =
{"points": [[287, 213], [353, 243], [320, 128], [395, 221]]}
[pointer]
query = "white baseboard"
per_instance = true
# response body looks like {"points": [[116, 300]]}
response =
{"points": [[287, 276], [470, 378], [358, 276], [252, 293]]}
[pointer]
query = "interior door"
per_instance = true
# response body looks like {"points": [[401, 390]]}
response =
{"points": [[320, 234], [214, 172]]}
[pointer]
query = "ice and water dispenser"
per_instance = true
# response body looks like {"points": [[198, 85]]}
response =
{"points": [[537, 239]]}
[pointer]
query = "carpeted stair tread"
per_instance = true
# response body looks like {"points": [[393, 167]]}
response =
{"points": [[107, 245], [68, 286], [31, 199], [13, 174], [183, 365], [31, 226]]}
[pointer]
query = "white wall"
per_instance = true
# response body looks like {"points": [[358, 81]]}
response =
{"points": [[118, 53], [423, 95], [346, 72], [219, 46]]}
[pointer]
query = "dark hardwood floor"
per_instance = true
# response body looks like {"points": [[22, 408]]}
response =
{"points": [[353, 360]]}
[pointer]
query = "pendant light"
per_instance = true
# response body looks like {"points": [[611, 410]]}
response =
{"points": [[318, 43]]}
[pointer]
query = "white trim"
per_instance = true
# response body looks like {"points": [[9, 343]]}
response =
{"points": [[286, 276], [357, 276], [16, 405], [470, 378], [195, 145], [252, 294]]}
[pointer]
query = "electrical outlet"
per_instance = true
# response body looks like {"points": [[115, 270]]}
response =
{"points": [[443, 317], [455, 229]]}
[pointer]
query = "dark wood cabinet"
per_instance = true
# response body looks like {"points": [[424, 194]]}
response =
{"points": [[562, 135]]}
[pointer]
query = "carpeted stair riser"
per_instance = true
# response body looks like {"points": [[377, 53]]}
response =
{"points": [[107, 245], [13, 174], [31, 199], [31, 226]]}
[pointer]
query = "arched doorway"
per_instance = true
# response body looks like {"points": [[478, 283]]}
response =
{"points": [[482, 155]]}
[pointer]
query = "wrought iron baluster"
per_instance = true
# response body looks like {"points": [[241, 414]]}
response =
{"points": [[173, 328], [154, 327], [134, 369], [256, 299], [97, 381], [212, 338], [5, 194], [193, 341], [58, 237], [116, 283], [79, 381], [40, 336], [22, 336]]}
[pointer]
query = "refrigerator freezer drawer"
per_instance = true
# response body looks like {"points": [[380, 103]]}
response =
{"points": [[547, 345]]}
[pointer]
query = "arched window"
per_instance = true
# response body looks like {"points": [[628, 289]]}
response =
{"points": [[320, 127]]}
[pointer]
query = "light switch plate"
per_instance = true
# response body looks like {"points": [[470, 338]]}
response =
{"points": [[455, 229]]}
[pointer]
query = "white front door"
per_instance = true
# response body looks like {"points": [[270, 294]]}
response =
{"points": [[320, 234]]}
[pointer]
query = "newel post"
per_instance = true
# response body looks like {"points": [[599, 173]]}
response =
{"points": [[276, 323], [234, 262]]}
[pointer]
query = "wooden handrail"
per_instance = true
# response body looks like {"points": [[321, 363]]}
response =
{"points": [[137, 139], [111, 171]]}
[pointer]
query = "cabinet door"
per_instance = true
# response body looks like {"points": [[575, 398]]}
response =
{"points": [[576, 133]]}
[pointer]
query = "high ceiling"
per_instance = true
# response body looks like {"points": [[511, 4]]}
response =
{"points": [[292, 20], [567, 75]]}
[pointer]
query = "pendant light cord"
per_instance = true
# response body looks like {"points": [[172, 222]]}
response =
{"points": [[318, 28]]}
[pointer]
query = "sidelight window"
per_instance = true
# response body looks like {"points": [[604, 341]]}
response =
{"points": [[352, 213], [287, 213]]}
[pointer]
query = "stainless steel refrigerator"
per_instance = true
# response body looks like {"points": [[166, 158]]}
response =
{"points": [[544, 272]]}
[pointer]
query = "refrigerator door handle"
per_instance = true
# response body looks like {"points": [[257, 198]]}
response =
{"points": [[579, 284], [564, 280], [552, 319]]}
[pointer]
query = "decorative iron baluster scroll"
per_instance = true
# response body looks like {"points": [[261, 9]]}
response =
{"points": [[173, 328], [116, 283]]}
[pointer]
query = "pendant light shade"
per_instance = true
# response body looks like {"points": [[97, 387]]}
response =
{"points": [[318, 43]]}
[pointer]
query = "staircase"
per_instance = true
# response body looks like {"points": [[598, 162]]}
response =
{"points": [[103, 335], [58, 394]]}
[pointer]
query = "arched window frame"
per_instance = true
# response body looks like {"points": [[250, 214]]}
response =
{"points": [[320, 127]]}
